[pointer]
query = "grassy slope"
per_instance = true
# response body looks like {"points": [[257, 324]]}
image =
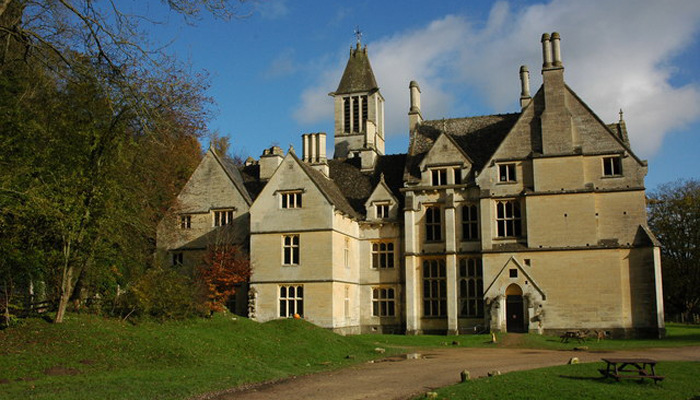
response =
{"points": [[164, 361], [580, 381], [180, 359]]}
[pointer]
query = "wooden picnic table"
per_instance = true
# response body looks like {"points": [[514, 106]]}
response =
{"points": [[630, 368], [580, 336]]}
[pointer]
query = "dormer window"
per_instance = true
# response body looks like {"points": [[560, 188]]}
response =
{"points": [[438, 176], [506, 173], [382, 210], [223, 217], [291, 199], [612, 166], [457, 175]]}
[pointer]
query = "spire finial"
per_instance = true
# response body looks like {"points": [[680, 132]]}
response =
{"points": [[358, 35], [621, 114]]}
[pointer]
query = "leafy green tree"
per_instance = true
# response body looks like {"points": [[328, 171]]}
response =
{"points": [[674, 217]]}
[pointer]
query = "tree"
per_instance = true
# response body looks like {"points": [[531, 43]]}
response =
{"points": [[80, 189], [224, 267], [674, 217]]}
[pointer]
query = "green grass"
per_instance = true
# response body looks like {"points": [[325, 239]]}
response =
{"points": [[176, 360], [677, 335], [164, 361], [581, 381]]}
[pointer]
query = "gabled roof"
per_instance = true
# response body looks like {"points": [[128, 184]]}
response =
{"points": [[478, 137], [357, 186], [234, 175], [328, 188], [358, 75]]}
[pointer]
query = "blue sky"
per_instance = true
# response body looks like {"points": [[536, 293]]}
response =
{"points": [[271, 71]]}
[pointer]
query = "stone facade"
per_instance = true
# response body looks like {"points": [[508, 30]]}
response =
{"points": [[531, 221]]}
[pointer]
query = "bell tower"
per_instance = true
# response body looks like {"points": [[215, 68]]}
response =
{"points": [[359, 110]]}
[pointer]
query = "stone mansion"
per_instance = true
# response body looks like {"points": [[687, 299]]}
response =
{"points": [[529, 221]]}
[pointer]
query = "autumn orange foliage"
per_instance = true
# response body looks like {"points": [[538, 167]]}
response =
{"points": [[224, 266]]}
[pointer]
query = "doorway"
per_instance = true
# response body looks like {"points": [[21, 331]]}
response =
{"points": [[515, 309]]}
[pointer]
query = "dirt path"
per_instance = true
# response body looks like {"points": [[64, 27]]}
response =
{"points": [[399, 378]]}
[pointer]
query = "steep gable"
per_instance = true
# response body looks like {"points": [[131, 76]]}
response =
{"points": [[317, 191], [382, 195], [445, 151], [215, 183]]}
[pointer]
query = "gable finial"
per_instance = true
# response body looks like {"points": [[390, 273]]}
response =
{"points": [[291, 149], [621, 114], [358, 36]]}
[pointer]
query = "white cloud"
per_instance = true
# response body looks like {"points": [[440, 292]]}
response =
{"points": [[282, 65], [616, 55]]}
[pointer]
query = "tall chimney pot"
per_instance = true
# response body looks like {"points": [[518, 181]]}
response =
{"points": [[546, 52], [556, 49]]}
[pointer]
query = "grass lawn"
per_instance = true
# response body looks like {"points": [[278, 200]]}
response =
{"points": [[581, 381], [90, 357], [677, 335]]}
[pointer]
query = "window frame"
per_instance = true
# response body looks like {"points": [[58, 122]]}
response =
{"points": [[385, 206], [457, 175], [222, 216], [470, 222], [615, 166], [470, 284], [290, 250], [512, 221], [384, 302], [438, 176], [185, 221], [507, 173], [433, 228], [290, 199], [388, 253], [434, 287], [178, 258], [285, 301]]}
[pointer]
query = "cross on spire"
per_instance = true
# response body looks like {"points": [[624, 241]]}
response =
{"points": [[358, 35]]}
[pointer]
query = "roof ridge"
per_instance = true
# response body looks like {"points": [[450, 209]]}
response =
{"points": [[473, 117]]}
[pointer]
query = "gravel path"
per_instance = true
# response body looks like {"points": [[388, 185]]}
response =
{"points": [[401, 378]]}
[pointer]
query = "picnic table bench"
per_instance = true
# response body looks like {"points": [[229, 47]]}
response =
{"points": [[630, 368], [578, 335]]}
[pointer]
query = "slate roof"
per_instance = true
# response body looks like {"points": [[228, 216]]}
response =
{"points": [[251, 179], [234, 174], [357, 186], [479, 137], [329, 189], [358, 75]]}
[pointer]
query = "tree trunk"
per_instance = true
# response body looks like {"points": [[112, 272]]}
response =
{"points": [[66, 291]]}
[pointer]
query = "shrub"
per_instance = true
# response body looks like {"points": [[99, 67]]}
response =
{"points": [[164, 293]]}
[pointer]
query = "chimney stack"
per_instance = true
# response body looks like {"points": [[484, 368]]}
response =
{"points": [[414, 115], [558, 133], [556, 49], [524, 86], [314, 151], [546, 52], [269, 161]]}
